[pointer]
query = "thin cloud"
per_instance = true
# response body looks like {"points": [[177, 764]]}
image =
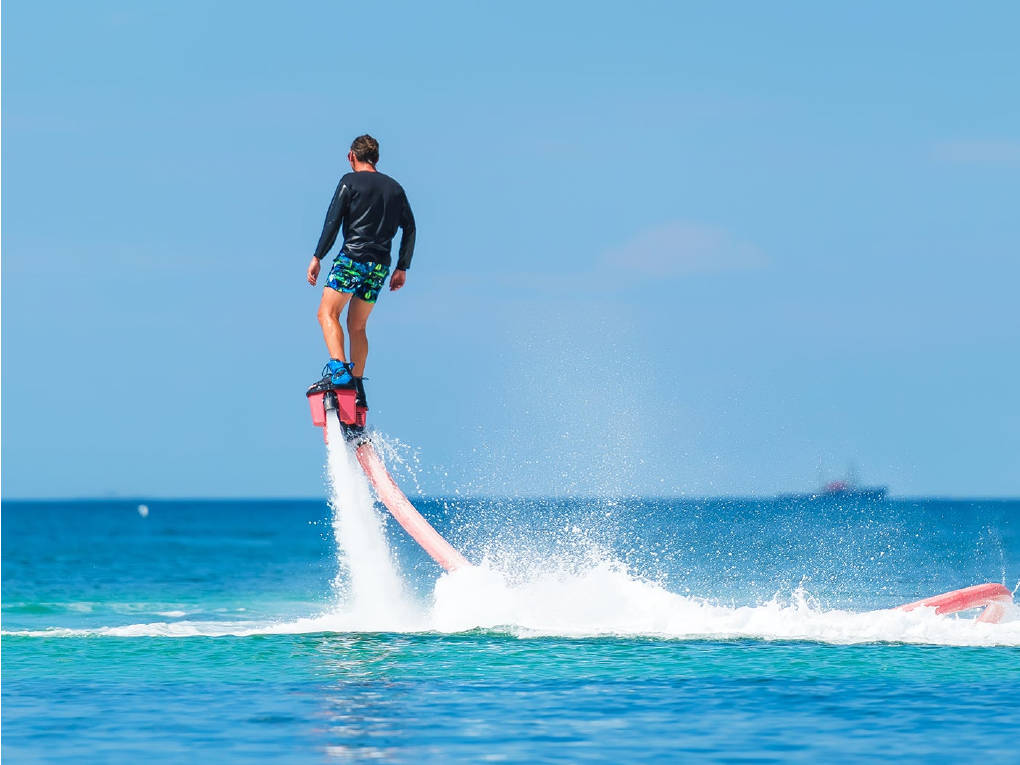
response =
{"points": [[681, 249], [981, 153], [670, 251]]}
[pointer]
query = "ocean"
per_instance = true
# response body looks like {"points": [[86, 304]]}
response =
{"points": [[603, 629]]}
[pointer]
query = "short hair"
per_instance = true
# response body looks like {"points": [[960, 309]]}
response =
{"points": [[366, 149]]}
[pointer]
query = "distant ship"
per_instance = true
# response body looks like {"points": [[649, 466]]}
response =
{"points": [[843, 489]]}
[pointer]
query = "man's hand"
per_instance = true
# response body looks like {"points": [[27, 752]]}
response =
{"points": [[313, 271], [397, 279]]}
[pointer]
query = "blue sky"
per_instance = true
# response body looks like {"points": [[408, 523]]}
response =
{"points": [[663, 248]]}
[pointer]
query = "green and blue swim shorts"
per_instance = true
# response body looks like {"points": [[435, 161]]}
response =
{"points": [[365, 280]]}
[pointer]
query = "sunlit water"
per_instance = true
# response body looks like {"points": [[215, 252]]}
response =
{"points": [[593, 630]]}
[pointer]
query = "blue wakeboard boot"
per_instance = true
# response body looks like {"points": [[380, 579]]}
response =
{"points": [[335, 374]]}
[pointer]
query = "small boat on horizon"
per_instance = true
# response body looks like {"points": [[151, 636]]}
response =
{"points": [[846, 488]]}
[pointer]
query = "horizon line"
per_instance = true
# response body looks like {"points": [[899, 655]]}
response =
{"points": [[504, 498]]}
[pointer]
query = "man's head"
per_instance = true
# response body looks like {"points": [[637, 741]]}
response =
{"points": [[365, 150]]}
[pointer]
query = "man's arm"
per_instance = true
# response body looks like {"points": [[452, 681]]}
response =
{"points": [[407, 236], [334, 217]]}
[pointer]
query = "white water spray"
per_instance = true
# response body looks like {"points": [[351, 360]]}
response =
{"points": [[587, 593], [369, 589]]}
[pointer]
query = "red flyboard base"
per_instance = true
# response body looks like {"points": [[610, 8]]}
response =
{"points": [[992, 597], [401, 509]]}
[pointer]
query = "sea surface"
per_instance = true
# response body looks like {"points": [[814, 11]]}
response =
{"points": [[589, 630]]}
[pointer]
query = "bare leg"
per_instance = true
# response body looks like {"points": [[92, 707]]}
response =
{"points": [[357, 318], [332, 305]]}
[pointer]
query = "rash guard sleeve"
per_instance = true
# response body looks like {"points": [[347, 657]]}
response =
{"points": [[407, 236], [334, 217]]}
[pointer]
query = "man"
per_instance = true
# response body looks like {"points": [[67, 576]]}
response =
{"points": [[370, 206]]}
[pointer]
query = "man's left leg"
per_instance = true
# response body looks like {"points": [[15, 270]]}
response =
{"points": [[357, 317]]}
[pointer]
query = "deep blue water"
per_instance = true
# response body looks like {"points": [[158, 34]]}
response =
{"points": [[618, 631]]}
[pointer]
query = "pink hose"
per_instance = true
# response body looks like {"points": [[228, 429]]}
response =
{"points": [[401, 509], [994, 598]]}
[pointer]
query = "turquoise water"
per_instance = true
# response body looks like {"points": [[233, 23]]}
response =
{"points": [[634, 630], [477, 696]]}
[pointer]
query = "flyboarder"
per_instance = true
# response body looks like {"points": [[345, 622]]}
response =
{"points": [[369, 206]]}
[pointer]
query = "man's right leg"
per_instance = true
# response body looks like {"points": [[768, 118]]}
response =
{"points": [[357, 318], [332, 305]]}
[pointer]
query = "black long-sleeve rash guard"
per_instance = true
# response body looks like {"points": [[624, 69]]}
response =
{"points": [[370, 206]]}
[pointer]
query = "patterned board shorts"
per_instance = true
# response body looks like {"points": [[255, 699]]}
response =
{"points": [[365, 280]]}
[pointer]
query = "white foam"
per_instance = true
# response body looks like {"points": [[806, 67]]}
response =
{"points": [[605, 600], [602, 599]]}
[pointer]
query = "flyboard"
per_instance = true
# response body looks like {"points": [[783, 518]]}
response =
{"points": [[347, 403]]}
